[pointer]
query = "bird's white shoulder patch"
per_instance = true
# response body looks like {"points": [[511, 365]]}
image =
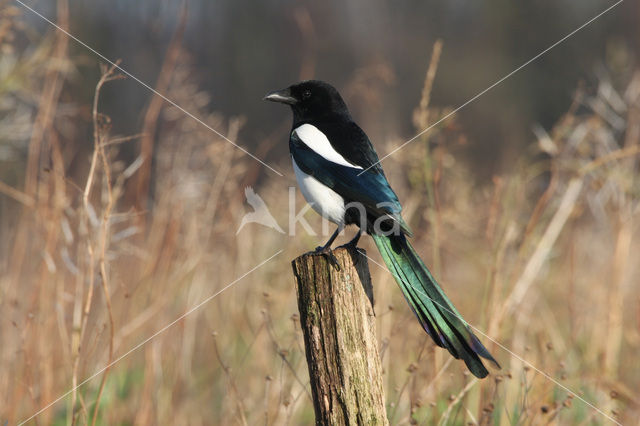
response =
{"points": [[311, 136]]}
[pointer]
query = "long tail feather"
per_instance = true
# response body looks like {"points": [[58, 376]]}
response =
{"points": [[434, 310]]}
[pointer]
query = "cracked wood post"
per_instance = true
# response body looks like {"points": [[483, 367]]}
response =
{"points": [[338, 323]]}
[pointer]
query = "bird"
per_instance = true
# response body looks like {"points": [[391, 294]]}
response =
{"points": [[260, 213], [339, 174]]}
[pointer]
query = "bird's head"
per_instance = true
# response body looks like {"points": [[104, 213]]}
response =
{"points": [[310, 99]]}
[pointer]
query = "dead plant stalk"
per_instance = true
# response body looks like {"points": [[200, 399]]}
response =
{"points": [[99, 155]]}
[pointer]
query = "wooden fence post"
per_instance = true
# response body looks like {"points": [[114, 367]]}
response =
{"points": [[338, 323]]}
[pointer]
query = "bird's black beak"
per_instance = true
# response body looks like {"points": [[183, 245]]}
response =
{"points": [[283, 96]]}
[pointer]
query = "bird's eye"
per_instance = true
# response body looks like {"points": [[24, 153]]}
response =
{"points": [[306, 94]]}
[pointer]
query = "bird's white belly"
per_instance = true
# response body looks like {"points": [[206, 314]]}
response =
{"points": [[321, 198]]}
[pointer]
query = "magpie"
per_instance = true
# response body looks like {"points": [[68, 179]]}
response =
{"points": [[339, 174]]}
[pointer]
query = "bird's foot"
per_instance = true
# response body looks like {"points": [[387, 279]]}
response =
{"points": [[328, 253]]}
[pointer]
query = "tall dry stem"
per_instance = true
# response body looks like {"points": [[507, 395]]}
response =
{"points": [[104, 233]]}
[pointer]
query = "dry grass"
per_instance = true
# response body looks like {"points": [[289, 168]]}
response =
{"points": [[541, 260]]}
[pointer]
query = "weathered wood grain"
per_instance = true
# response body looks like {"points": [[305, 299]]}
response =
{"points": [[338, 323]]}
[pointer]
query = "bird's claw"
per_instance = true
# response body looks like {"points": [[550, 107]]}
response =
{"points": [[328, 254], [332, 260]]}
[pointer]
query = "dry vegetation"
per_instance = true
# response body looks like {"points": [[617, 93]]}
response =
{"points": [[99, 253]]}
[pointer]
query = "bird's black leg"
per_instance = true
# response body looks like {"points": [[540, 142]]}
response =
{"points": [[353, 244], [327, 246], [354, 241], [326, 249]]}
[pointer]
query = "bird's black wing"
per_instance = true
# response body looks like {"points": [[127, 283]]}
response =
{"points": [[350, 141], [369, 188]]}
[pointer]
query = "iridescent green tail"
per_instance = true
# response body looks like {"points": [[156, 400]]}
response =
{"points": [[435, 311]]}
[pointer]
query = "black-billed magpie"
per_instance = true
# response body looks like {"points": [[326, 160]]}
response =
{"points": [[338, 173]]}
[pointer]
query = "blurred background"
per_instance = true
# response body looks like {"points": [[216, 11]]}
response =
{"points": [[119, 211]]}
